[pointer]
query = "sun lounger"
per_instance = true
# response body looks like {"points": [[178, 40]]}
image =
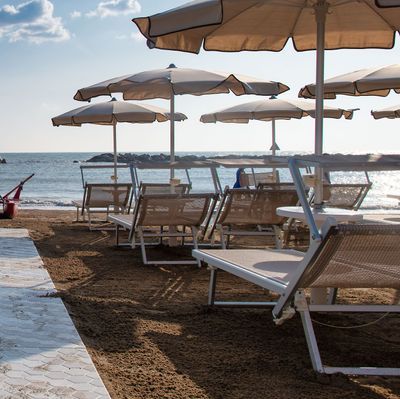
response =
{"points": [[347, 196], [338, 195], [276, 186], [347, 256], [163, 188], [166, 216], [255, 178], [125, 221], [104, 198], [251, 212]]}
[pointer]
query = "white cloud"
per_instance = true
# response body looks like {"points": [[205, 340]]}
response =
{"points": [[75, 14], [32, 21], [137, 36], [112, 8]]}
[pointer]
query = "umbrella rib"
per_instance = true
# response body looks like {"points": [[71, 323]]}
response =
{"points": [[221, 83], [295, 23]]}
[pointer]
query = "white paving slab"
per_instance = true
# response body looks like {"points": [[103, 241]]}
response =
{"points": [[41, 353]]}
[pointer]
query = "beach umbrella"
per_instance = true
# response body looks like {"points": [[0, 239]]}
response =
{"points": [[375, 81], [168, 82], [390, 112], [111, 113], [270, 110], [255, 25]]}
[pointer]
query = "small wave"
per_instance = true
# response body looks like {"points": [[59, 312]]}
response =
{"points": [[29, 202]]}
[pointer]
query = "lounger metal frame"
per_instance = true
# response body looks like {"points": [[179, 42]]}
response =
{"points": [[292, 297]]}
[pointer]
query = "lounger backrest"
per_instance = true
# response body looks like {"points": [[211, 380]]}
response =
{"points": [[173, 209], [103, 194], [254, 207], [253, 179], [163, 188], [356, 256], [348, 196], [277, 186], [349, 256]]}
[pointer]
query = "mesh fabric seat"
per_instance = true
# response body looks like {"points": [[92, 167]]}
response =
{"points": [[347, 196], [247, 212], [349, 256]]}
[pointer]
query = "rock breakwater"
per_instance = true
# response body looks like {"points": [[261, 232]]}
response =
{"points": [[142, 158]]}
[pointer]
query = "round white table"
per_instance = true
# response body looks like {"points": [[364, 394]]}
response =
{"points": [[319, 295], [320, 215]]}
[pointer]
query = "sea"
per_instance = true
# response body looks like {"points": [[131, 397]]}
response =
{"points": [[58, 179]]}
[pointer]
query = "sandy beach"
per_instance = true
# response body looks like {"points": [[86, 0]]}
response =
{"points": [[151, 336]]}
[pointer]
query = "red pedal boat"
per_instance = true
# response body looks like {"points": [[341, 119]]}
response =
{"points": [[10, 204]]}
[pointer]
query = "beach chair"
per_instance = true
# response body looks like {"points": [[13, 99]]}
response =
{"points": [[293, 229], [125, 221], [162, 216], [104, 198], [255, 178], [276, 186], [251, 212], [347, 196], [347, 256], [164, 188]]}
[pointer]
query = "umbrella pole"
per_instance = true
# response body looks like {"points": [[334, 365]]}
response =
{"points": [[172, 133], [321, 9], [273, 137], [274, 147], [115, 150]]}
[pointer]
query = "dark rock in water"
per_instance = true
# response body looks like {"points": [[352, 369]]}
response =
{"points": [[3, 160], [76, 161], [140, 158], [102, 158]]}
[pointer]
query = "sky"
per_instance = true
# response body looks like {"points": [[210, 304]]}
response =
{"points": [[51, 48]]}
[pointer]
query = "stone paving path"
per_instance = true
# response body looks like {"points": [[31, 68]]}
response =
{"points": [[41, 353]]}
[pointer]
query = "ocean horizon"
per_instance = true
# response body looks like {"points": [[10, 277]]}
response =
{"points": [[58, 180]]}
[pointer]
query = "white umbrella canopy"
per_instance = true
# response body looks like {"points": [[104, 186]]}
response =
{"points": [[390, 112], [231, 25], [270, 110], [168, 82], [111, 113], [375, 81]]}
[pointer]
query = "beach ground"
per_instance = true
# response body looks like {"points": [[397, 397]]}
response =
{"points": [[151, 336]]}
